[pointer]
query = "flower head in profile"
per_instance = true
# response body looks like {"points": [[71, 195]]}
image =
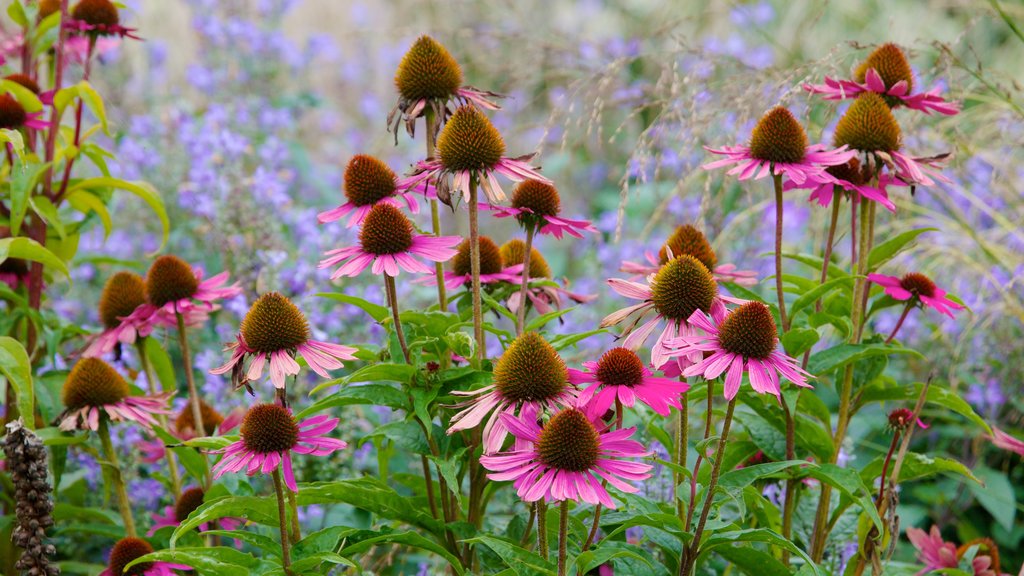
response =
{"points": [[542, 293], [173, 287], [428, 78], [368, 182], [869, 127], [188, 502], [918, 288], [744, 342], [529, 374], [122, 294], [672, 295], [128, 549], [568, 458], [621, 375], [269, 436], [851, 178], [492, 267], [536, 205], [94, 390], [97, 18], [470, 149], [14, 116], [887, 73], [1000, 439], [275, 330], [688, 240], [778, 145], [389, 242]]}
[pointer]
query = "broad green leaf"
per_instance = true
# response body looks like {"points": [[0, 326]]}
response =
{"points": [[376, 311], [799, 340], [405, 433], [886, 250], [17, 13], [212, 561], [195, 463], [53, 436], [996, 496], [830, 359], [160, 362], [815, 263], [563, 341], [86, 202], [411, 539], [745, 476], [13, 137], [386, 372], [45, 209], [522, 562], [809, 298], [17, 370], [592, 559], [372, 495], [762, 535], [259, 509], [850, 484], [27, 98], [141, 189], [94, 103], [316, 560], [947, 399], [753, 561], [29, 249], [916, 466], [375, 394], [23, 180], [542, 320]]}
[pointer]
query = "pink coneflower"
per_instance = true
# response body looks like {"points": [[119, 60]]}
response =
{"points": [[545, 295], [173, 287], [887, 73], [620, 374], [530, 374], [275, 329], [537, 205], [778, 145], [388, 241], [470, 149], [745, 341], [852, 179], [567, 458], [184, 427], [1001, 439], [688, 240], [932, 550], [128, 549], [428, 78], [14, 116], [98, 18], [94, 390], [187, 503], [269, 436], [122, 294], [916, 287], [680, 288], [492, 267], [368, 182]]}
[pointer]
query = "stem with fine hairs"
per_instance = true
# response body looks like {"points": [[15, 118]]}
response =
{"points": [[193, 393], [389, 285], [563, 535], [123, 504], [542, 528], [523, 285], [899, 323], [147, 369], [435, 213], [286, 559], [777, 179]]}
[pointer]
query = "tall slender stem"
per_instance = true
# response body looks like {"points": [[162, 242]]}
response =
{"points": [[826, 259], [286, 558], [899, 323], [604, 483], [123, 504], [690, 558], [524, 283], [429, 481], [293, 505], [542, 528], [147, 369], [389, 285], [435, 212], [193, 393], [474, 266], [790, 502], [777, 179], [700, 456], [681, 455], [563, 535]]}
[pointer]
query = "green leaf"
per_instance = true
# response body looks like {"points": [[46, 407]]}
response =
{"points": [[23, 180], [996, 496], [373, 373], [592, 559], [521, 562], [948, 399], [376, 311], [799, 340], [17, 13], [29, 249], [850, 484], [916, 466], [542, 320], [17, 369], [830, 359], [809, 298], [86, 202], [94, 103], [53, 436], [886, 250], [408, 539], [314, 561], [45, 209], [753, 561], [372, 495], [259, 509], [160, 362], [212, 561], [743, 477], [762, 535], [815, 262], [27, 98], [195, 463], [375, 394], [563, 341], [13, 137], [141, 189]]}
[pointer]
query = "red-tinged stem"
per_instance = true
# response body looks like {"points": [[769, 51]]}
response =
{"points": [[885, 467], [78, 125], [899, 323], [389, 285]]}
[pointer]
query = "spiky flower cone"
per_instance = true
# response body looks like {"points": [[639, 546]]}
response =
{"points": [[274, 323], [491, 261], [26, 465], [186, 418], [368, 180], [688, 240], [25, 81], [869, 126], [889, 61], [469, 141], [122, 294], [682, 287], [96, 13], [12, 113], [386, 230], [428, 71], [269, 428], [749, 331], [170, 278], [569, 441], [513, 252], [93, 382], [126, 550], [530, 370], [187, 503], [779, 138], [539, 199]]}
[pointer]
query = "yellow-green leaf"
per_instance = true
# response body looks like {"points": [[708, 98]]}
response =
{"points": [[28, 249], [17, 369], [143, 190]]}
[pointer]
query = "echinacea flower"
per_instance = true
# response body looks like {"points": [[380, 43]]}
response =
{"points": [[932, 550], [1001, 439], [917, 288], [902, 418], [688, 240], [428, 78], [778, 145], [851, 178], [187, 503], [492, 267], [122, 294], [869, 127], [94, 390], [536, 205], [745, 341], [567, 458], [545, 295], [470, 149], [128, 549], [368, 182], [269, 436], [14, 116], [96, 18], [621, 375], [183, 427], [388, 241], [275, 329], [680, 288], [173, 287], [887, 73], [530, 374]]}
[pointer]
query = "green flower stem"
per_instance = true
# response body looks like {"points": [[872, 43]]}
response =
{"points": [[563, 535], [123, 504], [681, 455], [524, 283], [542, 528], [435, 214], [474, 261], [294, 506], [147, 369], [282, 515], [193, 393], [389, 285], [777, 179]]}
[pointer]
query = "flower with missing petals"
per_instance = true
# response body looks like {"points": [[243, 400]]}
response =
{"points": [[917, 287], [887, 73], [190, 499], [541, 293], [123, 293], [851, 178], [690, 241]]}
